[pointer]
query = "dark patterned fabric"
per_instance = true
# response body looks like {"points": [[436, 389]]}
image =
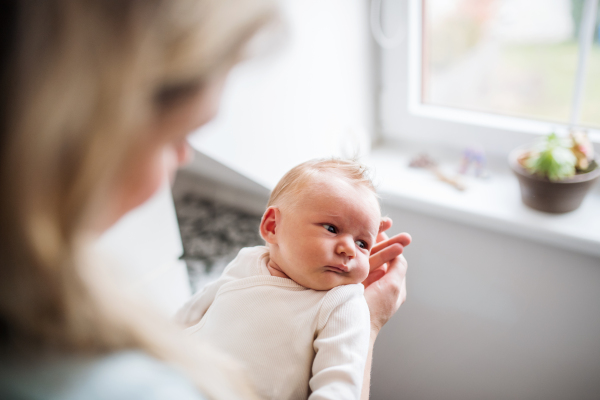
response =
{"points": [[212, 234]]}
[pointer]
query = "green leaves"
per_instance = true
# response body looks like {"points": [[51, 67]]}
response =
{"points": [[553, 158]]}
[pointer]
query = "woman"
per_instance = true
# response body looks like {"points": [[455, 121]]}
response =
{"points": [[97, 98]]}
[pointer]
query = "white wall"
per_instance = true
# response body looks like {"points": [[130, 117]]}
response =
{"points": [[145, 246], [489, 316], [311, 98]]}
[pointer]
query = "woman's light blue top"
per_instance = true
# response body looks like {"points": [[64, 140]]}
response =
{"points": [[126, 375]]}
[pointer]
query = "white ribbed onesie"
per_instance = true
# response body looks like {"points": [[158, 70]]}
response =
{"points": [[296, 343]]}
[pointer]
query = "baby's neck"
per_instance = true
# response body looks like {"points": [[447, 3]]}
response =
{"points": [[274, 270]]}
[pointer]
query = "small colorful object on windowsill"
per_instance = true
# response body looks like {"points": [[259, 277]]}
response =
{"points": [[556, 173], [583, 150], [426, 162], [474, 159]]}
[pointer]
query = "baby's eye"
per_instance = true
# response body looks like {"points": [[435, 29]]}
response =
{"points": [[362, 244], [330, 228]]}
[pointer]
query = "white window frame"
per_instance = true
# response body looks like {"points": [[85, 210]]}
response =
{"points": [[434, 123]]}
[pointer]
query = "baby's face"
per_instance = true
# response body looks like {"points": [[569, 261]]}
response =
{"points": [[324, 240]]}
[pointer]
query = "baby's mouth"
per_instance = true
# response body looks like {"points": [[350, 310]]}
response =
{"points": [[338, 268]]}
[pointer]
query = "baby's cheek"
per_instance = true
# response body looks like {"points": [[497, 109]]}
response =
{"points": [[363, 271]]}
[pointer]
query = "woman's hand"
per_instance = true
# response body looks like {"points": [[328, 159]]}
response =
{"points": [[385, 287]]}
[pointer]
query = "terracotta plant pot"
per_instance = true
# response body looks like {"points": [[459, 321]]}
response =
{"points": [[551, 196]]}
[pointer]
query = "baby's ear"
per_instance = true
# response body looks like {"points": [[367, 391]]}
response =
{"points": [[269, 224]]}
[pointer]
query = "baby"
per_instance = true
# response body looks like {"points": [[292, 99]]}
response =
{"points": [[293, 311]]}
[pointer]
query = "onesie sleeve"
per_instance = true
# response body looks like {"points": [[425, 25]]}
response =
{"points": [[341, 345]]}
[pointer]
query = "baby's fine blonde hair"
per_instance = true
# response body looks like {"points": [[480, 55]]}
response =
{"points": [[295, 179]]}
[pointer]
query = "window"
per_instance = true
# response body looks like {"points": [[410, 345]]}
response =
{"points": [[508, 57], [529, 66]]}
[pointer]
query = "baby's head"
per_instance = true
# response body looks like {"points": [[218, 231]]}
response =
{"points": [[321, 222]]}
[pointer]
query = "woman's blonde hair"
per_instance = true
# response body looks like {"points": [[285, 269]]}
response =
{"points": [[79, 81], [294, 180]]}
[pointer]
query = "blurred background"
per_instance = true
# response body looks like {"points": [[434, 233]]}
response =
{"points": [[520, 58], [503, 301]]}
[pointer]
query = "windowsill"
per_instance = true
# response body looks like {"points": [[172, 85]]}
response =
{"points": [[492, 203]]}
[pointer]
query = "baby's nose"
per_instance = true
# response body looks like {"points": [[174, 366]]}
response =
{"points": [[346, 247]]}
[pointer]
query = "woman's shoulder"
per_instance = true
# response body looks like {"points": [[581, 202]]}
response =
{"points": [[121, 375]]}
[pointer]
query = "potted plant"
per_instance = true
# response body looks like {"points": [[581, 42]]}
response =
{"points": [[556, 173]]}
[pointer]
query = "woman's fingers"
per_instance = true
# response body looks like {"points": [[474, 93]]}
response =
{"points": [[375, 275], [385, 287], [402, 239], [384, 255]]}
